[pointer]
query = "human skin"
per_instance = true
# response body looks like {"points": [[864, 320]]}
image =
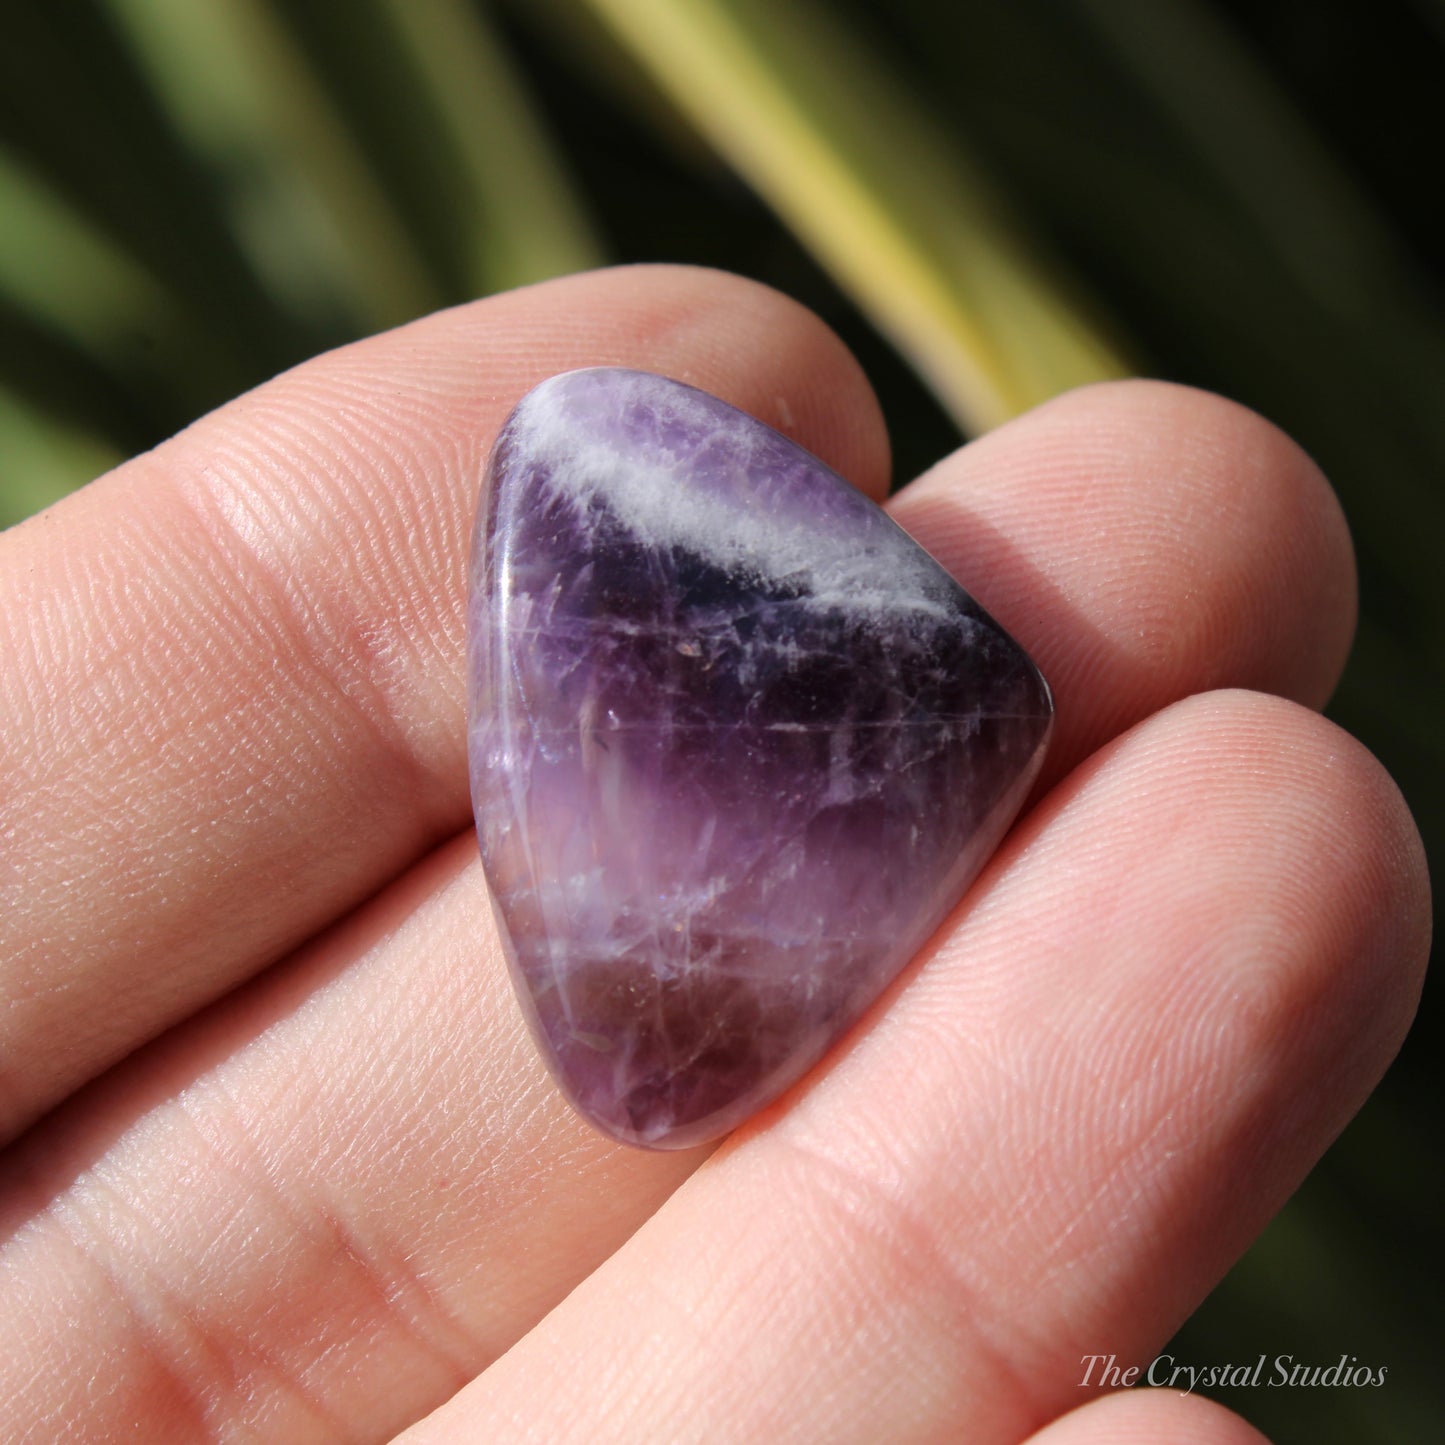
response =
{"points": [[282, 1162]]}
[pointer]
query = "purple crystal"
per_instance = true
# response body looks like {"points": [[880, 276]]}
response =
{"points": [[737, 745]]}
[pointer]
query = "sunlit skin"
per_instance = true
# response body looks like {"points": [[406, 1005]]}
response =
{"points": [[283, 1162]]}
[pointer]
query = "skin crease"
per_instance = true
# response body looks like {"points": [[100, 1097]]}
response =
{"points": [[317, 1205]]}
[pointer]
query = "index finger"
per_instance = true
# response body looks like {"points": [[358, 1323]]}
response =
{"points": [[231, 670]]}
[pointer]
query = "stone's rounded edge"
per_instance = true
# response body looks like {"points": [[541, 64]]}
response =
{"points": [[690, 1136], [674, 1141], [1050, 707], [710, 1129], [1048, 714], [1051, 718]]}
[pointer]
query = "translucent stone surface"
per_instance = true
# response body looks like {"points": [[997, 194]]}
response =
{"points": [[737, 746]]}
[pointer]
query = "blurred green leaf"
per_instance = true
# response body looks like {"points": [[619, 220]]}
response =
{"points": [[1251, 139], [78, 114], [75, 284], [302, 198], [896, 212], [41, 460], [522, 216], [54, 266]]}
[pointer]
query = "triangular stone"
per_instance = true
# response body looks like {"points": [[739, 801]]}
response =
{"points": [[737, 745]]}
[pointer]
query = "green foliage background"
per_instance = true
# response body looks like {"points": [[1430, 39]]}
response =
{"points": [[989, 200]]}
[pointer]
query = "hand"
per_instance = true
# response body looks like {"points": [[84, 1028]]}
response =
{"points": [[285, 1165]]}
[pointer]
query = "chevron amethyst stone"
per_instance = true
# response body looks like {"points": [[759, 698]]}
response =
{"points": [[737, 746]]}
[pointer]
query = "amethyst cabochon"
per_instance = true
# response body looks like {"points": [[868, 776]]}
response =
{"points": [[737, 745]]}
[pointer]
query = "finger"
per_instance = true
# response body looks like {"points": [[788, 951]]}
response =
{"points": [[317, 1211], [414, 1068], [1149, 1417], [231, 671], [1170, 992], [1148, 541]]}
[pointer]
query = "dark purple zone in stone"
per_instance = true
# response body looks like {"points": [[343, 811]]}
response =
{"points": [[737, 746]]}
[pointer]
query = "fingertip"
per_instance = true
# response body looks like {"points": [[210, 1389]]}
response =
{"points": [[1149, 1417], [1349, 863], [1328, 958], [1145, 542], [1369, 861], [1278, 520], [1279, 547]]}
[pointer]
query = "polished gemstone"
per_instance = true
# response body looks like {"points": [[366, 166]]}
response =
{"points": [[737, 746]]}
